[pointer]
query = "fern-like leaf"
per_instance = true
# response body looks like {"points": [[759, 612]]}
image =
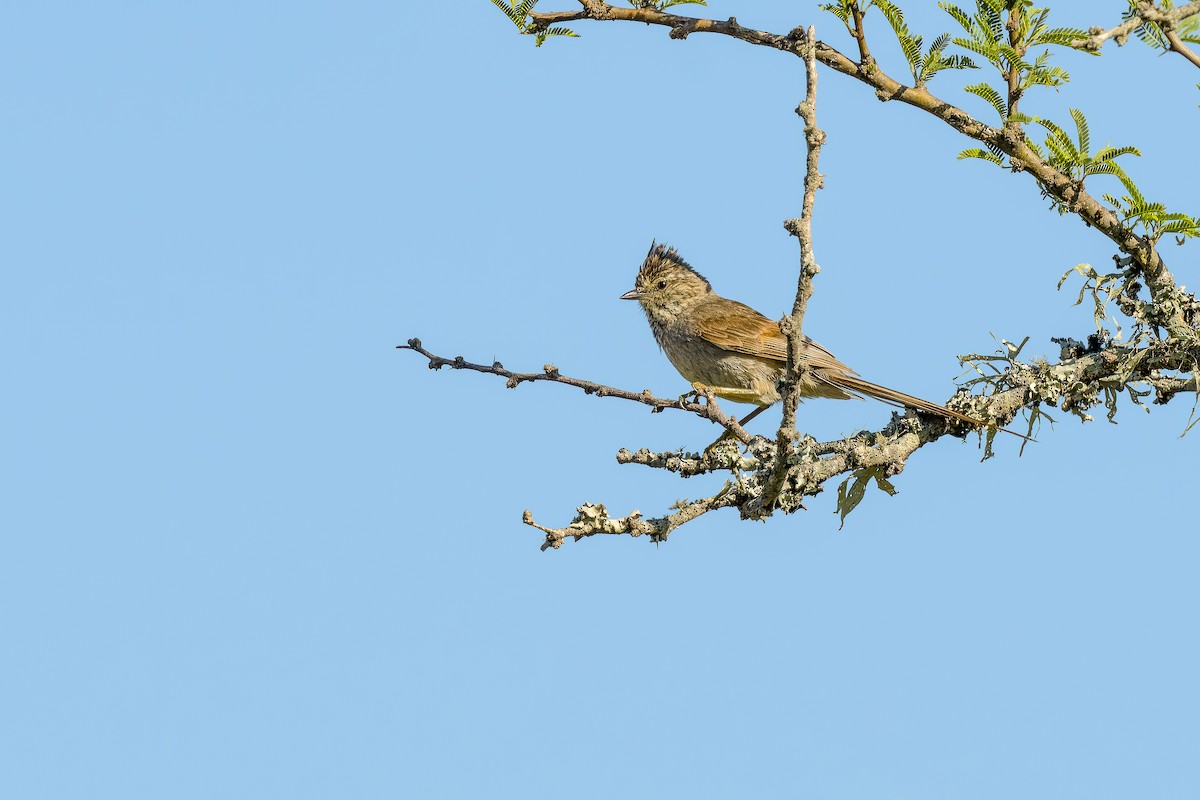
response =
{"points": [[1187, 227], [980, 153], [894, 16], [1109, 153], [1081, 127], [839, 10], [1063, 37], [513, 11], [1058, 138], [958, 15], [989, 93], [986, 49], [542, 35]]}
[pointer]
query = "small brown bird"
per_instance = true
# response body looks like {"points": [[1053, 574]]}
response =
{"points": [[735, 351]]}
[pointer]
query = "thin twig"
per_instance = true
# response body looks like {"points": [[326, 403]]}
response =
{"points": [[592, 519], [860, 35], [708, 410]]}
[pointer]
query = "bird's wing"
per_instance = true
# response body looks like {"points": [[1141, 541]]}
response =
{"points": [[735, 326]]}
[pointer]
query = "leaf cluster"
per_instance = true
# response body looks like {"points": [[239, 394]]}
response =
{"points": [[922, 64], [1152, 217], [1072, 156], [518, 12], [1007, 50]]}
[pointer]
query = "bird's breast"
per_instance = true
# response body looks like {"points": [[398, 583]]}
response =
{"points": [[700, 361]]}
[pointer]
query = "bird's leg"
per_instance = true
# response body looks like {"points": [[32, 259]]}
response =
{"points": [[752, 415], [728, 393], [725, 392]]}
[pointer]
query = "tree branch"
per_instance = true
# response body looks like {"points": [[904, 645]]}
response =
{"points": [[1074, 384], [860, 35], [1012, 74], [708, 410], [777, 475], [592, 519], [1177, 44], [1145, 12], [792, 326], [1010, 140]]}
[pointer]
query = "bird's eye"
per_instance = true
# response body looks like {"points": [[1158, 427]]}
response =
{"points": [[662, 284]]}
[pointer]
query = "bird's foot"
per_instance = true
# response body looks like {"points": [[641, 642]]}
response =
{"points": [[699, 390]]}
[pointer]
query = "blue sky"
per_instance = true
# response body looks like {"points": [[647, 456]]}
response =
{"points": [[251, 550]]}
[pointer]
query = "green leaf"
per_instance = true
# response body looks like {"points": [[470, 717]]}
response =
{"points": [[911, 46], [510, 11], [958, 15], [894, 16], [960, 62], [1188, 227], [557, 31], [1059, 142], [986, 49], [989, 93], [839, 10], [1045, 76], [1060, 36], [979, 152], [1082, 128], [1109, 153]]}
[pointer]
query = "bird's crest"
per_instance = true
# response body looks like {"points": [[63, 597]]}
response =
{"points": [[662, 259]]}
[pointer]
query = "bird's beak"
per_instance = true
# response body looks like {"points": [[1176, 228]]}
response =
{"points": [[632, 294]]}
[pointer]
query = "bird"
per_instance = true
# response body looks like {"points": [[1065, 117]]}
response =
{"points": [[729, 349]]}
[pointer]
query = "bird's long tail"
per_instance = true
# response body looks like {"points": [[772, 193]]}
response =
{"points": [[853, 383]]}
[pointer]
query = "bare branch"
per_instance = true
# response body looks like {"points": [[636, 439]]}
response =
{"points": [[860, 35], [791, 326], [1074, 384], [592, 519], [688, 464], [708, 410], [1177, 44], [1145, 12]]}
